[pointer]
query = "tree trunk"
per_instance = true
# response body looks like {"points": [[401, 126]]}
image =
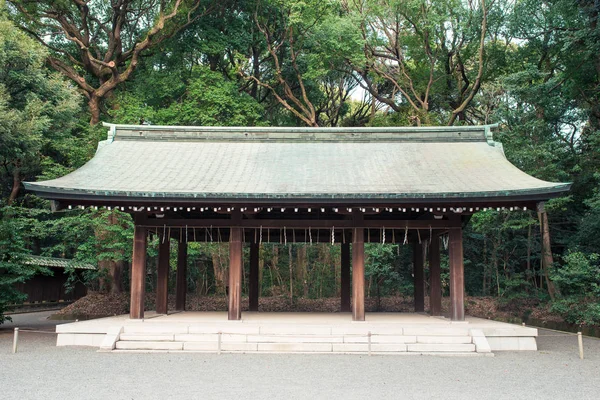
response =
{"points": [[16, 187], [94, 107], [547, 259]]}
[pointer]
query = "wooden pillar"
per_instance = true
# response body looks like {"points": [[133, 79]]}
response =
{"points": [[253, 282], [418, 277], [235, 273], [181, 281], [457, 276], [138, 274], [358, 274], [345, 278], [435, 278], [162, 284]]}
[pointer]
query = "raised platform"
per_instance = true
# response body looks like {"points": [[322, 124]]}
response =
{"points": [[385, 333]]}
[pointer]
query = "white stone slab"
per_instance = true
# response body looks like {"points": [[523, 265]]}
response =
{"points": [[365, 329], [294, 339], [148, 337], [444, 339], [512, 332], [388, 347], [393, 339], [156, 327], [111, 338], [200, 346], [480, 342], [80, 339], [210, 337], [149, 345], [295, 347], [498, 343], [294, 329], [242, 347], [444, 348], [350, 347], [436, 331], [246, 329]]}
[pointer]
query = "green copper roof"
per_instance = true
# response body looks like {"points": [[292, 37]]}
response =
{"points": [[216, 163], [56, 262]]}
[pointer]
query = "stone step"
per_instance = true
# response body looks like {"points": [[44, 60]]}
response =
{"points": [[441, 348], [296, 347], [444, 339], [364, 347], [147, 337], [294, 339], [139, 345]]}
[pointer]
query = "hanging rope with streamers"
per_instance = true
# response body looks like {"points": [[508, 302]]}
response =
{"points": [[332, 235], [405, 235], [430, 235]]}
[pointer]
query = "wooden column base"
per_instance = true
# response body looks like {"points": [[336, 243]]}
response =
{"points": [[457, 276], [235, 274], [358, 275], [138, 274]]}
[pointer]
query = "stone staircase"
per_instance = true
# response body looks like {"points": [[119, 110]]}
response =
{"points": [[300, 338]]}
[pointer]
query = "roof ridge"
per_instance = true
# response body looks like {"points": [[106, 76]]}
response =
{"points": [[300, 134]]}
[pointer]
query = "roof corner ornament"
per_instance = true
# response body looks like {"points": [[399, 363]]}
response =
{"points": [[489, 136], [112, 132]]}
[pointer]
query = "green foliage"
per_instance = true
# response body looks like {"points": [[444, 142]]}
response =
{"points": [[207, 98], [579, 282], [12, 268], [36, 108]]}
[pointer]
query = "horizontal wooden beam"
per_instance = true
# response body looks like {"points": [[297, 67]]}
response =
{"points": [[303, 223]]}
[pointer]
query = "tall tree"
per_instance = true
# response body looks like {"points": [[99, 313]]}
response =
{"points": [[98, 44], [425, 58], [36, 108]]}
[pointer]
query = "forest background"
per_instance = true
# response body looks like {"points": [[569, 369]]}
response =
{"points": [[531, 66]]}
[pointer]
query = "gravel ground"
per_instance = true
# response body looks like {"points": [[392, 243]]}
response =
{"points": [[41, 370]]}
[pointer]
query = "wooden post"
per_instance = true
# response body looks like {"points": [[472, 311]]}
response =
{"points": [[457, 276], [181, 281], [235, 273], [435, 278], [358, 274], [418, 277], [138, 274], [253, 282], [162, 284], [345, 278]]}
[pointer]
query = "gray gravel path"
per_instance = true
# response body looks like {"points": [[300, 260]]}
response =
{"points": [[42, 371]]}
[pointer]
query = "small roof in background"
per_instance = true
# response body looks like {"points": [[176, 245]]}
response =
{"points": [[55, 262], [163, 163]]}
